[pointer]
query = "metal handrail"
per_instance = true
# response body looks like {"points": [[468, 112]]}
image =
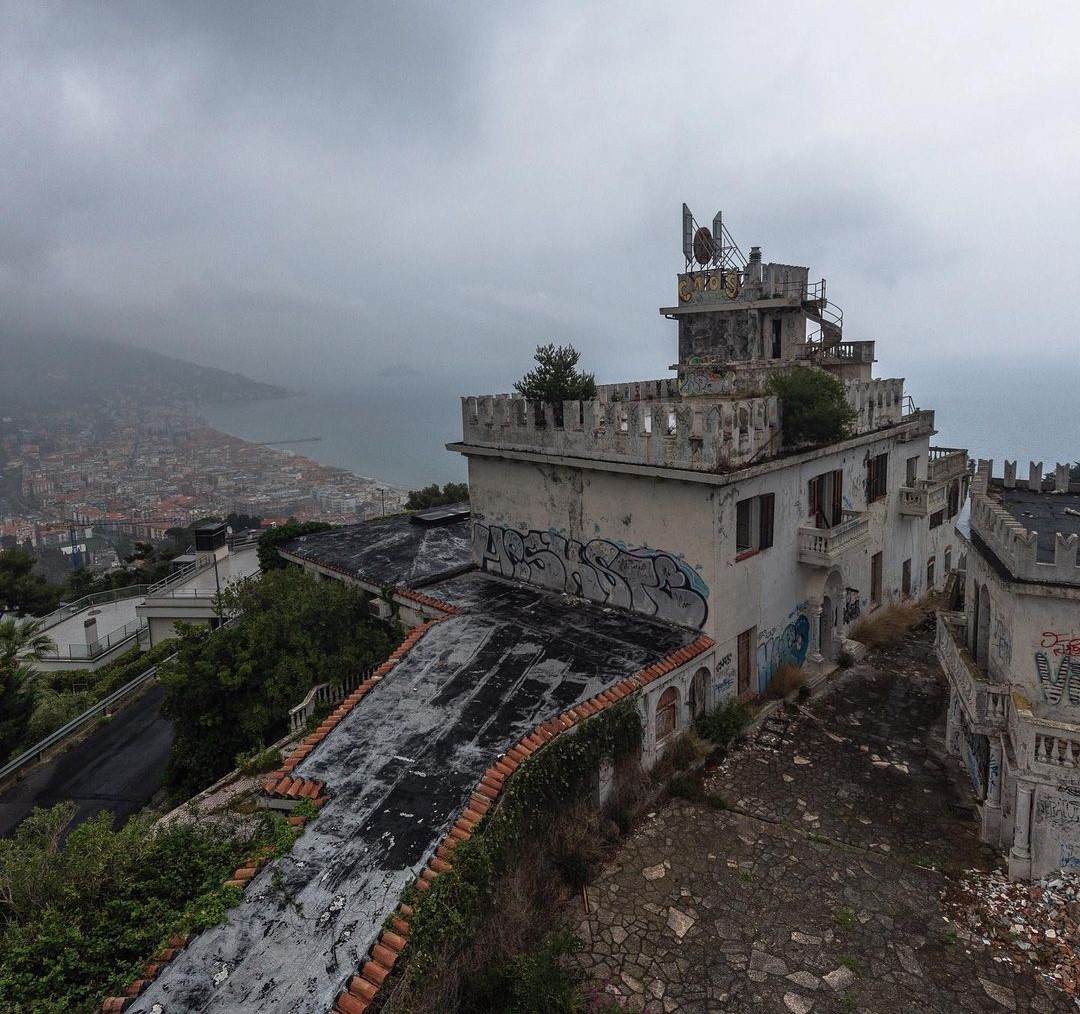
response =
{"points": [[67, 611], [38, 749], [92, 649]]}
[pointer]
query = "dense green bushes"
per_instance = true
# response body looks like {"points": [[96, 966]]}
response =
{"points": [[724, 723], [79, 919], [813, 406], [229, 691]]}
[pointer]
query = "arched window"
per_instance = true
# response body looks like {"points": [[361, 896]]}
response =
{"points": [[667, 714], [948, 559]]}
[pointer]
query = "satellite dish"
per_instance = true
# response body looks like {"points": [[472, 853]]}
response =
{"points": [[704, 246]]}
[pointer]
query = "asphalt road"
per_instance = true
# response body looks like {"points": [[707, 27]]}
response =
{"points": [[117, 768]]}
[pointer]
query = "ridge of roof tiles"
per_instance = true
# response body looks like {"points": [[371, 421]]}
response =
{"points": [[359, 991], [281, 785]]}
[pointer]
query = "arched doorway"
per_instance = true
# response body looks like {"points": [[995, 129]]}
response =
{"points": [[667, 714], [831, 605]]}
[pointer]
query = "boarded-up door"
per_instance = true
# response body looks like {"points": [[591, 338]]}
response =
{"points": [[746, 639]]}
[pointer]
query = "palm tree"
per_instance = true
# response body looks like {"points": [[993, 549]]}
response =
{"points": [[22, 640]]}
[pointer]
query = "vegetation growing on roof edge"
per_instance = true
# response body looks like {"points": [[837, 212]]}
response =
{"points": [[81, 918], [445, 917]]}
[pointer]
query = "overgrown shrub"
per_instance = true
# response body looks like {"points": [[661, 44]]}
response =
{"points": [[537, 981], [845, 660], [813, 406], [79, 918], [886, 624], [724, 723], [258, 761], [786, 679], [686, 750]]}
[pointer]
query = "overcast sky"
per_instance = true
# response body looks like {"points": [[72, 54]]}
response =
{"points": [[317, 193]]}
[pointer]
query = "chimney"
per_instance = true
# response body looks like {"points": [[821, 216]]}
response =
{"points": [[753, 268], [90, 627]]}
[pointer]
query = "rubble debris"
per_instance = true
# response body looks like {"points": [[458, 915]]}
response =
{"points": [[1035, 922]]}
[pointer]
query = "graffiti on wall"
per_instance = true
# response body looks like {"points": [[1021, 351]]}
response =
{"points": [[788, 646], [1058, 812], [993, 774], [1061, 680], [725, 679], [852, 606], [1002, 640], [647, 581], [1070, 856], [1060, 644]]}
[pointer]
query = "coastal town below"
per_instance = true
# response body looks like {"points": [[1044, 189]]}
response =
{"points": [[71, 479]]}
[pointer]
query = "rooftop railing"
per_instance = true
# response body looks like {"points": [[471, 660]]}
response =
{"points": [[70, 609], [87, 651]]}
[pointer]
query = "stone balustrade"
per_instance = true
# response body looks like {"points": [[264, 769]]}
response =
{"points": [[1046, 747], [849, 352], [922, 499], [946, 463], [986, 702], [823, 547]]}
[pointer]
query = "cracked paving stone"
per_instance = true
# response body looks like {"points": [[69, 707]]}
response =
{"points": [[841, 913]]}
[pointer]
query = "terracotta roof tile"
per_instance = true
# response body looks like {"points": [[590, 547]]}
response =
{"points": [[400, 925], [361, 988], [393, 940], [383, 956], [349, 1004]]}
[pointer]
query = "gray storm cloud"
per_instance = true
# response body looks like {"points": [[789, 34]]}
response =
{"points": [[318, 192]]}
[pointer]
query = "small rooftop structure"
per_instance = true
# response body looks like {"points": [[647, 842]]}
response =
{"points": [[411, 551]]}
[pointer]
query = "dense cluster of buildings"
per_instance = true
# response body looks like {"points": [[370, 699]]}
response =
{"points": [[144, 469]]}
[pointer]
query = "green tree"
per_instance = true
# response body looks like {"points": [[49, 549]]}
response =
{"points": [[433, 496], [21, 645], [274, 537], [230, 691], [556, 379], [21, 590], [813, 406]]}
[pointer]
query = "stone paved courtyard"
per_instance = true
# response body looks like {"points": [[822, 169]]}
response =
{"points": [[820, 888]]}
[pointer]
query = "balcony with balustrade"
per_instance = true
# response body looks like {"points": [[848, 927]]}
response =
{"points": [[826, 547], [985, 701], [1046, 747], [922, 499], [946, 463]]}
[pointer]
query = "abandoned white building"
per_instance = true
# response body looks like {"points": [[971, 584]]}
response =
{"points": [[1012, 658], [678, 498], [659, 545]]}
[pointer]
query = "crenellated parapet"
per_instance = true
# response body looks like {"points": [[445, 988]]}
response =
{"points": [[706, 435], [879, 403], [1016, 546]]}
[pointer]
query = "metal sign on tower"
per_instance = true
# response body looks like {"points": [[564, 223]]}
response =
{"points": [[710, 248]]}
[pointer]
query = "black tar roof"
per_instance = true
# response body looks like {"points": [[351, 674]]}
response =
{"points": [[1044, 513], [390, 551], [399, 769]]}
